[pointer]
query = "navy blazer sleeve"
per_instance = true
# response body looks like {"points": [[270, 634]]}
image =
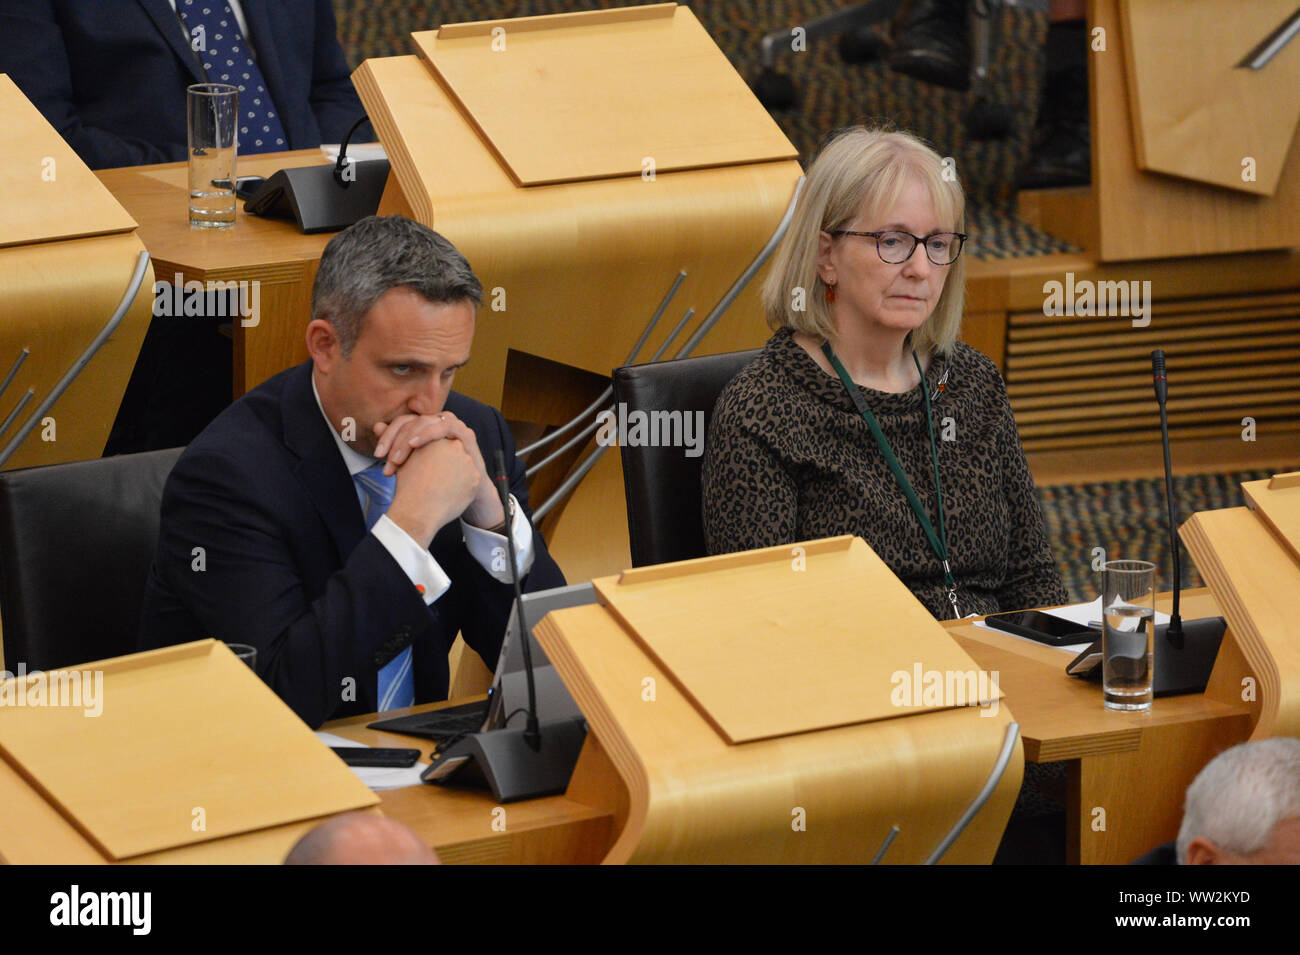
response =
{"points": [[242, 577], [334, 99], [35, 54]]}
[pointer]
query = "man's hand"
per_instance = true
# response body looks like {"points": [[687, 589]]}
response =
{"points": [[400, 438], [435, 485]]}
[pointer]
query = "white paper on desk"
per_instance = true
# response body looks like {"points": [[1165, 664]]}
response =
{"points": [[358, 152], [1075, 613], [375, 777]]}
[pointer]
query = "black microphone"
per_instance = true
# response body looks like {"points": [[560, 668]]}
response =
{"points": [[532, 732], [342, 163], [1175, 629]]}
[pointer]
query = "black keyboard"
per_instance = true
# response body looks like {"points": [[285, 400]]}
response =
{"points": [[441, 726]]}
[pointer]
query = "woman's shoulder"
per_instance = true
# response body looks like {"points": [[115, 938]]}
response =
{"points": [[762, 381], [971, 371]]}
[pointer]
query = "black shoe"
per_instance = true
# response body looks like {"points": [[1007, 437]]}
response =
{"points": [[1061, 153], [933, 44]]}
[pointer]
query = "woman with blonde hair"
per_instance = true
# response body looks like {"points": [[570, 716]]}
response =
{"points": [[864, 414]]}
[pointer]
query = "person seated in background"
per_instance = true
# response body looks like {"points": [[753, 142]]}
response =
{"points": [[111, 77], [340, 517], [864, 414], [356, 838], [1243, 808]]}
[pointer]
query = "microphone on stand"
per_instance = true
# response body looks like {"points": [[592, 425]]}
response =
{"points": [[1174, 632], [532, 733]]}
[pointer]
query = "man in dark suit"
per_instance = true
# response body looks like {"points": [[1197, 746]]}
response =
{"points": [[111, 76], [340, 517]]}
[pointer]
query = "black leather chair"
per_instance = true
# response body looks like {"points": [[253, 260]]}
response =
{"points": [[76, 542], [662, 484]]}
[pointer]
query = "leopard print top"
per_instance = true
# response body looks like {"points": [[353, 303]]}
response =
{"points": [[788, 458]]}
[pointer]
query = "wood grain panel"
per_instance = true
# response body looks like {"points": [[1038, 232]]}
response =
{"points": [[597, 94], [49, 194]]}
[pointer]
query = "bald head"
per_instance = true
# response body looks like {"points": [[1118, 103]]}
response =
{"points": [[356, 838]]}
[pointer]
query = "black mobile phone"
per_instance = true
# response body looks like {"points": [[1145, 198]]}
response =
{"points": [[377, 756], [1043, 627], [246, 186]]}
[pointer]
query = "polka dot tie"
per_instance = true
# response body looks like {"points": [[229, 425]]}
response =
{"points": [[227, 58]]}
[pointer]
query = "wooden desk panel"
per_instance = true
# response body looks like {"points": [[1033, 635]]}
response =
{"points": [[271, 252], [1127, 772]]}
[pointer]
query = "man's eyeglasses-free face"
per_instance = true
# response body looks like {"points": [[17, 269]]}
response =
{"points": [[895, 248]]}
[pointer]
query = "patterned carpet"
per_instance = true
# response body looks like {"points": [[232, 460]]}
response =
{"points": [[832, 94], [1128, 520]]}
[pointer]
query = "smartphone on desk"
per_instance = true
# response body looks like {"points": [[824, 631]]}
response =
{"points": [[377, 757], [1043, 627]]}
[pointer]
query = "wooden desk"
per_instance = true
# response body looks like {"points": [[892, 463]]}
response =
{"points": [[469, 826], [1127, 772], [271, 252]]}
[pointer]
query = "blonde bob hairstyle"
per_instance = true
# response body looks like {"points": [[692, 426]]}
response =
{"points": [[863, 170]]}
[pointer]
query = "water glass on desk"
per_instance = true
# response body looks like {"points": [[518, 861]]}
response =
{"points": [[1128, 625], [246, 653], [211, 112]]}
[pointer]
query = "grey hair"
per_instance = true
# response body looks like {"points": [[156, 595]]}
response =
{"points": [[1241, 795], [380, 253]]}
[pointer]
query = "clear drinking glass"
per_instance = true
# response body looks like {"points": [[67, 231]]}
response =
{"points": [[1128, 616], [211, 112], [246, 653]]}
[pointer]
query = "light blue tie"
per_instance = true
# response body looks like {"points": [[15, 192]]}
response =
{"points": [[396, 678]]}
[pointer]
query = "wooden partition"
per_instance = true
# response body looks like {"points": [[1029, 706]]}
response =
{"points": [[67, 253], [748, 709]]}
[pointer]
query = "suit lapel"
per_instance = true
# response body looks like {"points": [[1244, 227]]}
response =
{"points": [[173, 31], [320, 467], [261, 28]]}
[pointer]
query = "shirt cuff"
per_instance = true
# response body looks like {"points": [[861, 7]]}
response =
{"points": [[489, 549], [416, 562]]}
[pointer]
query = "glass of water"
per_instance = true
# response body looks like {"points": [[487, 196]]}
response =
{"points": [[211, 112], [246, 653], [1128, 615]]}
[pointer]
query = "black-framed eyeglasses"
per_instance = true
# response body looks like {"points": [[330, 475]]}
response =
{"points": [[895, 247]]}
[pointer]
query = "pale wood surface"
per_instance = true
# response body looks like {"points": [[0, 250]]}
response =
{"points": [[466, 825], [1127, 772], [1138, 214], [49, 193], [270, 252], [595, 95], [1278, 504], [1200, 123], [149, 759], [1120, 805], [55, 297], [1134, 768], [1062, 717], [1255, 579], [581, 265], [693, 798], [825, 615], [34, 832]]}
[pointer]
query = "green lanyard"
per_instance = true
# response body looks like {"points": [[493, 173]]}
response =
{"points": [[939, 542]]}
